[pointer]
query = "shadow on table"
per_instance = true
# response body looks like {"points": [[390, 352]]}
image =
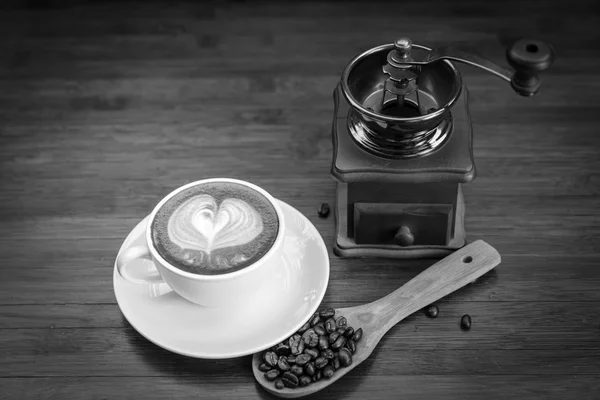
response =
{"points": [[225, 372]]}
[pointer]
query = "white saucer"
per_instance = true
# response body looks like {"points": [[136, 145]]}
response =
{"points": [[173, 323]]}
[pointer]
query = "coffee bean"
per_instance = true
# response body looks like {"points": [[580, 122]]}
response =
{"points": [[272, 375], [323, 210], [351, 345], [296, 344], [289, 380], [263, 367], [465, 322], [327, 313], [340, 330], [291, 360], [336, 362], [357, 334], [341, 322], [323, 342], [279, 384], [271, 358], [319, 330], [282, 350], [321, 362], [328, 354], [310, 338], [283, 364], [296, 370], [313, 353], [315, 320], [310, 369], [432, 311], [305, 380], [338, 343], [349, 332], [333, 336], [345, 357], [314, 378], [328, 372], [330, 325], [319, 375], [304, 328], [302, 359]]}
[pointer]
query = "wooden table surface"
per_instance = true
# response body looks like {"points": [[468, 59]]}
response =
{"points": [[104, 109]]}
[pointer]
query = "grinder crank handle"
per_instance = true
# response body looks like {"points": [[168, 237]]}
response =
{"points": [[529, 57]]}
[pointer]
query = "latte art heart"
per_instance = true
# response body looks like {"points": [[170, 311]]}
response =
{"points": [[215, 228], [201, 224]]}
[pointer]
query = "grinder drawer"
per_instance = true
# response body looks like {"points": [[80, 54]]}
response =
{"points": [[403, 224]]}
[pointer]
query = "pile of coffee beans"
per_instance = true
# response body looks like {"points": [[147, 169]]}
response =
{"points": [[321, 346]]}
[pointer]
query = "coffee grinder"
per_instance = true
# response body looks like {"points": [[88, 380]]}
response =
{"points": [[402, 145]]}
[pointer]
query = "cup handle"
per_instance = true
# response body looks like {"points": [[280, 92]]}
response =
{"points": [[139, 273]]}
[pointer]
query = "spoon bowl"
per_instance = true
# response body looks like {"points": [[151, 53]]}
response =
{"points": [[376, 318]]}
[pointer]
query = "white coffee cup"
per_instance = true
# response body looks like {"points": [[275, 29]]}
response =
{"points": [[227, 289]]}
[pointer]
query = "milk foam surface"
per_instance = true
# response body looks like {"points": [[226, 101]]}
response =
{"points": [[215, 228]]}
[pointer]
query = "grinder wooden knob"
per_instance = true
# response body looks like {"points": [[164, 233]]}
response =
{"points": [[528, 57], [404, 237]]}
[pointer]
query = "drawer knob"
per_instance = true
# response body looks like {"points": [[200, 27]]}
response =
{"points": [[404, 237]]}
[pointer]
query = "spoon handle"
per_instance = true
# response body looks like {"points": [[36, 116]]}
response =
{"points": [[442, 278]]}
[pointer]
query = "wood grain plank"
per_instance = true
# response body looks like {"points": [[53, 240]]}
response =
{"points": [[82, 273], [50, 331], [355, 386]]}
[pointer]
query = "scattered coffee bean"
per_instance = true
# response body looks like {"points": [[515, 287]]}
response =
{"points": [[465, 322], [345, 357], [296, 344], [279, 384], [263, 367], [328, 354], [336, 363], [321, 362], [291, 360], [327, 313], [333, 336], [323, 210], [351, 345], [296, 370], [304, 328], [304, 380], [432, 311], [271, 358], [310, 338], [272, 374], [349, 332], [315, 320], [330, 325], [338, 343], [313, 353], [289, 380], [283, 364], [310, 369], [282, 350], [319, 330], [341, 322], [357, 334], [323, 342], [328, 372], [302, 359]]}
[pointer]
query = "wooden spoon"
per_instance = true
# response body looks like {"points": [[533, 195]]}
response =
{"points": [[442, 278]]}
